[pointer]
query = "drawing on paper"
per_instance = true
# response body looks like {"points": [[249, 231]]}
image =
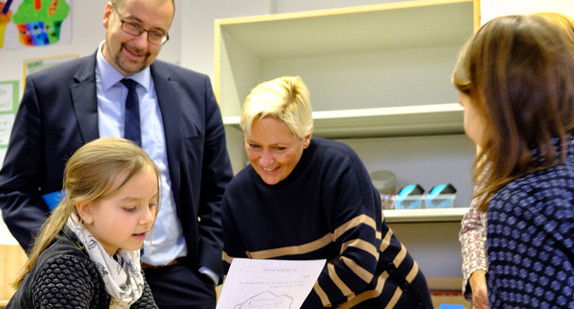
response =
{"points": [[266, 300]]}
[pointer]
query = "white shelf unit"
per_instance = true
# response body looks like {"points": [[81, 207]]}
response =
{"points": [[376, 73]]}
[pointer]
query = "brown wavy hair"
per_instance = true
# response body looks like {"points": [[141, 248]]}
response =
{"points": [[519, 73]]}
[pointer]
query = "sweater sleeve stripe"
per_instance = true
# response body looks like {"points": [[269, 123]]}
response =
{"points": [[413, 273], [322, 295], [338, 282], [399, 260], [381, 281], [400, 256], [362, 219], [358, 270], [363, 245], [395, 298], [226, 258], [319, 243], [292, 250], [386, 242]]}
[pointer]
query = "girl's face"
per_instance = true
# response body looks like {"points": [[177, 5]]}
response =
{"points": [[273, 150], [474, 125], [124, 219]]}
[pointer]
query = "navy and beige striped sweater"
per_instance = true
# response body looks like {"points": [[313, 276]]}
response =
{"points": [[327, 208]]}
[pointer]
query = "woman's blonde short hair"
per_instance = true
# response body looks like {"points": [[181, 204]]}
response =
{"points": [[285, 98]]}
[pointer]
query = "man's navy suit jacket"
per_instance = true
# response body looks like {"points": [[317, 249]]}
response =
{"points": [[58, 114]]}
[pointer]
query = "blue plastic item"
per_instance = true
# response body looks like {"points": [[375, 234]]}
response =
{"points": [[450, 306], [436, 198], [407, 197], [54, 198]]}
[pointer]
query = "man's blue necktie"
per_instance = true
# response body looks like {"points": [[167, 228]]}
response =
{"points": [[132, 129]]}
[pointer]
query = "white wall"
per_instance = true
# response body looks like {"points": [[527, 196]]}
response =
{"points": [[198, 24], [198, 27], [87, 33], [191, 45], [492, 8]]}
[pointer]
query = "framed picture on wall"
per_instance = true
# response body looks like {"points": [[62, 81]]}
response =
{"points": [[8, 96], [37, 64], [8, 107]]}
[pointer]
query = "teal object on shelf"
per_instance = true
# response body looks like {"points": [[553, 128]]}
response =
{"points": [[436, 197], [409, 197]]}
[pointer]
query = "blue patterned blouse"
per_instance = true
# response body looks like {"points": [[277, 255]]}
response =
{"points": [[530, 239]]}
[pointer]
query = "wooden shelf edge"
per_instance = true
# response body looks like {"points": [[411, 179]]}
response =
{"points": [[445, 283], [388, 111]]}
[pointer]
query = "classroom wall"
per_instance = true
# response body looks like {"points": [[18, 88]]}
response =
{"points": [[87, 33], [191, 45], [492, 8], [198, 41]]}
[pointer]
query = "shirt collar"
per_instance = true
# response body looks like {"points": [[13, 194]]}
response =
{"points": [[103, 68]]}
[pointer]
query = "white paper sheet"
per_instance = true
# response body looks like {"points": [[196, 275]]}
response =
{"points": [[268, 284]]}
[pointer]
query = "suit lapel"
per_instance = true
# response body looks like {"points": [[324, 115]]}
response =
{"points": [[169, 104], [84, 99]]}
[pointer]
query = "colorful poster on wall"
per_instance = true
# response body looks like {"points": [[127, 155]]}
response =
{"points": [[29, 23]]}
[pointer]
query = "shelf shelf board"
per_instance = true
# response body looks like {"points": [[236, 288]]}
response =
{"points": [[410, 24], [428, 119], [424, 215]]}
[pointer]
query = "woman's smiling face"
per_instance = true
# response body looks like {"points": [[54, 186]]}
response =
{"points": [[273, 150]]}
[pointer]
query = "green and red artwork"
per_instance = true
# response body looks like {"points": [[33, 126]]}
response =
{"points": [[38, 21]]}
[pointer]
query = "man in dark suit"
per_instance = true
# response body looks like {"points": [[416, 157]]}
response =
{"points": [[181, 129]]}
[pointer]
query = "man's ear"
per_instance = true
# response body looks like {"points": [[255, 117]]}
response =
{"points": [[85, 211], [107, 15]]}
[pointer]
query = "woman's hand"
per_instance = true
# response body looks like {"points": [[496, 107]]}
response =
{"points": [[477, 283]]}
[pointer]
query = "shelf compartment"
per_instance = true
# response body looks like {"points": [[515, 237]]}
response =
{"points": [[401, 25], [360, 57]]}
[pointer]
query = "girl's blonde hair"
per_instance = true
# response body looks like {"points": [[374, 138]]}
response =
{"points": [[89, 176]]}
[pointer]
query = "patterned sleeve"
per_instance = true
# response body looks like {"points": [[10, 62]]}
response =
{"points": [[64, 282], [472, 238], [146, 301]]}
